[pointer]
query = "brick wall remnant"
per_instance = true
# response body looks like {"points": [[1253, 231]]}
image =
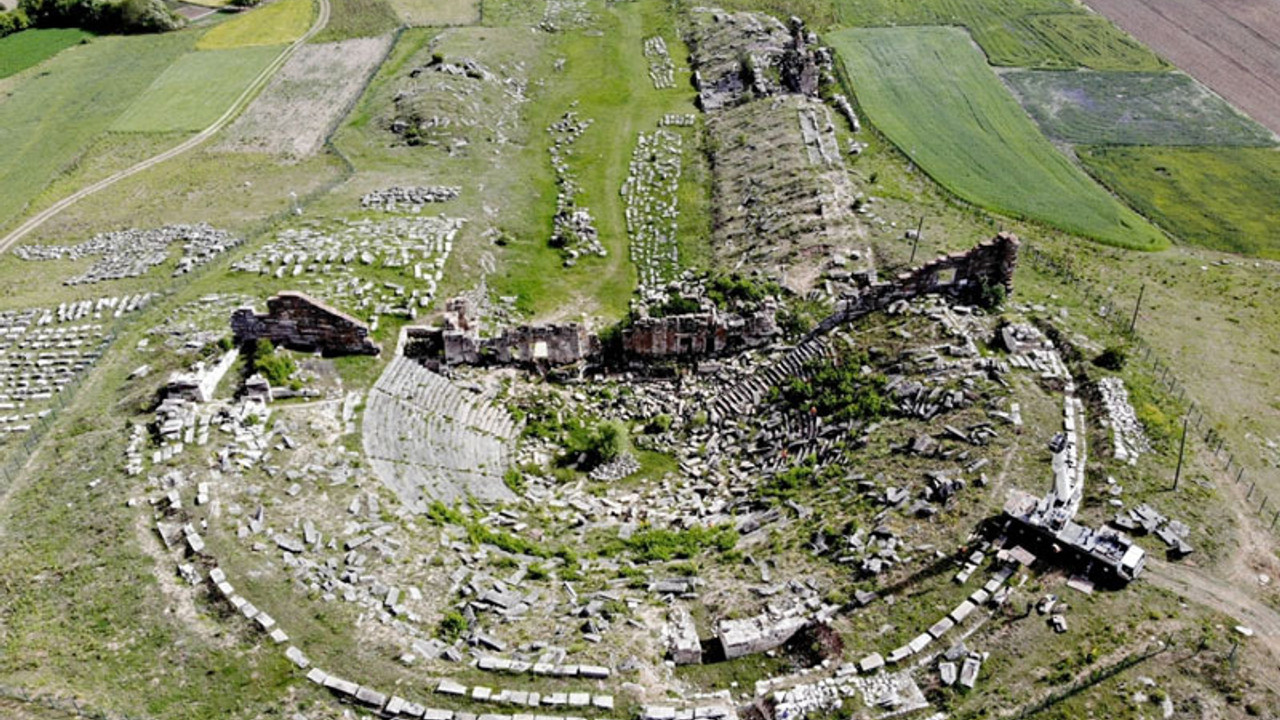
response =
{"points": [[300, 322], [457, 341], [701, 334], [962, 276]]}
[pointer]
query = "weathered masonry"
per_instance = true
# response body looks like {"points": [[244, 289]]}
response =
{"points": [[300, 322], [962, 276]]}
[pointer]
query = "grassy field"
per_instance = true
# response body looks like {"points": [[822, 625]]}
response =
{"points": [[1219, 198], [1121, 108], [1017, 33], [510, 186], [358, 18], [512, 12], [47, 120], [608, 79], [196, 90], [930, 92], [419, 13], [32, 47], [280, 22]]}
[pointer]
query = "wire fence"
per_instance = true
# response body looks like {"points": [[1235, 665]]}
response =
{"points": [[1195, 421]]}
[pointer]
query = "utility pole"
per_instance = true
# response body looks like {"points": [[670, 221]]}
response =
{"points": [[916, 243], [1134, 322], [1182, 447]]}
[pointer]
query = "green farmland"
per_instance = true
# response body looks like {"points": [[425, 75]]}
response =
{"points": [[195, 90], [49, 119], [930, 92], [32, 47], [1016, 33], [1219, 198], [1121, 108]]}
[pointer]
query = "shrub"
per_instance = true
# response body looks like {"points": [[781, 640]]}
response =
{"points": [[725, 290], [102, 16], [837, 390], [514, 480], [14, 21], [991, 296], [599, 443], [1112, 358], [658, 425], [451, 626], [678, 305], [273, 366], [650, 544]]}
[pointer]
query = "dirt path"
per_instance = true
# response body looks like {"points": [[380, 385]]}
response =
{"points": [[259, 82], [1198, 586]]}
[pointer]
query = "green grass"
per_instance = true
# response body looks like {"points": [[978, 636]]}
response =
{"points": [[196, 90], [32, 47], [930, 92], [512, 12], [1219, 198], [280, 22], [1123, 108], [608, 78], [437, 12], [47, 120], [1016, 33], [358, 18], [817, 13]]}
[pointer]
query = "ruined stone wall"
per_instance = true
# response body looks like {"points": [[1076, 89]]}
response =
{"points": [[548, 344], [698, 334], [960, 276], [300, 322]]}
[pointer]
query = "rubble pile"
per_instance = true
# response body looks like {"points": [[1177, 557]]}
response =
{"points": [[45, 350], [334, 264], [1128, 438], [1146, 519], [131, 253], [408, 199], [650, 193], [661, 67], [573, 227]]}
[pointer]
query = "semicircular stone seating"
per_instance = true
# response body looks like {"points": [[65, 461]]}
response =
{"points": [[429, 439]]}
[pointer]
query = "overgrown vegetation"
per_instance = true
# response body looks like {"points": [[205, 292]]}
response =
{"points": [[276, 367], [841, 389], [660, 544]]}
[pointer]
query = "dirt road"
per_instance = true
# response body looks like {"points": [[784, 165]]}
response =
{"points": [[259, 82]]}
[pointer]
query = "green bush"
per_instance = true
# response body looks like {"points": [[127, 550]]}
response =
{"points": [[648, 544], [599, 443], [13, 21], [725, 290], [273, 366], [837, 389], [678, 305], [102, 16], [1112, 358], [658, 425], [991, 296], [452, 626]]}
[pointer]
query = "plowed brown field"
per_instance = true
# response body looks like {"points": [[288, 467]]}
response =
{"points": [[1233, 46]]}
